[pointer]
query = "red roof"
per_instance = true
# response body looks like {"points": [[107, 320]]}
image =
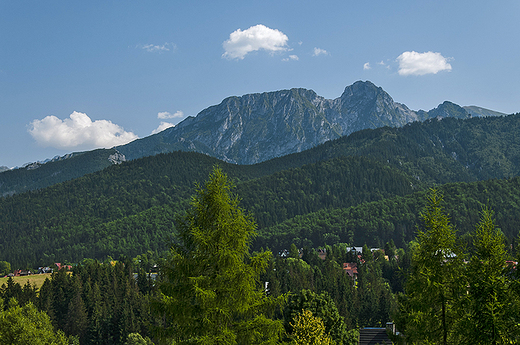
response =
{"points": [[350, 268]]}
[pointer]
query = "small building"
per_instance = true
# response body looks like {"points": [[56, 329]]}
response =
{"points": [[21, 273], [373, 336], [351, 269], [43, 270], [60, 266]]}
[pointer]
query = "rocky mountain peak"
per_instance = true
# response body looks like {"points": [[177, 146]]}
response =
{"points": [[449, 109], [256, 127]]}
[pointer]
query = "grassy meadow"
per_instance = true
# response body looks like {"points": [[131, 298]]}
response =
{"points": [[37, 279]]}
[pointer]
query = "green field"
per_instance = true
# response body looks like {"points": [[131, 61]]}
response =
{"points": [[37, 279]]}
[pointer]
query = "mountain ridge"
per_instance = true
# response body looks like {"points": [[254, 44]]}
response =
{"points": [[245, 130], [257, 127]]}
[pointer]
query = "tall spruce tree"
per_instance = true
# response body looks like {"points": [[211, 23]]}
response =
{"points": [[492, 308], [211, 292], [436, 282]]}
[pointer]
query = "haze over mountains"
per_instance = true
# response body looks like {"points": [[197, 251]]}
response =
{"points": [[246, 130]]}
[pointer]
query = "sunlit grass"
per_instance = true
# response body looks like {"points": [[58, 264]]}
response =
{"points": [[37, 279]]}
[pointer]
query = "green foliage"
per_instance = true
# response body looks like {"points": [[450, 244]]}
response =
{"points": [[319, 306], [23, 295], [211, 292], [25, 325], [449, 302], [5, 268], [98, 303], [397, 218], [137, 339], [436, 281], [309, 330], [492, 308], [339, 182]]}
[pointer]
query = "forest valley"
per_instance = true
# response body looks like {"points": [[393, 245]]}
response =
{"points": [[212, 289]]}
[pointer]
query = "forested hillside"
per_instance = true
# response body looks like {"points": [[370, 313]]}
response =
{"points": [[435, 151], [397, 218], [129, 208], [99, 215], [37, 176]]}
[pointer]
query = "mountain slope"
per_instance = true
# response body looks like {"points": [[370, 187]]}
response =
{"points": [[435, 151], [398, 218], [246, 130], [479, 111], [129, 209], [257, 127], [74, 165]]}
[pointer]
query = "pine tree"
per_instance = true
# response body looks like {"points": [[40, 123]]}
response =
{"points": [[492, 306], [212, 293], [436, 282]]}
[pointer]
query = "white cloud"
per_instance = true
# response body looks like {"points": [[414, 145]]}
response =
{"points": [[166, 47], [413, 63], [382, 63], [78, 131], [166, 115], [292, 57], [162, 127], [257, 37], [366, 66], [319, 51]]}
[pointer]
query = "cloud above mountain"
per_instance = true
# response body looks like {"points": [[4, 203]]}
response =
{"points": [[164, 125], [166, 115], [78, 131], [413, 63], [258, 37]]}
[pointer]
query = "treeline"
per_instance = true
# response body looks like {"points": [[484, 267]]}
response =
{"points": [[124, 209], [397, 219], [104, 303], [457, 293], [129, 208], [45, 175], [99, 303]]}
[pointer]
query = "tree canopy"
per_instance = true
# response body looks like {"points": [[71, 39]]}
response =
{"points": [[212, 293]]}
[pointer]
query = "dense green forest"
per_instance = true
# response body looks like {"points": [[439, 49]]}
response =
{"points": [[107, 303], [397, 218], [212, 289], [37, 176], [127, 209], [132, 212]]}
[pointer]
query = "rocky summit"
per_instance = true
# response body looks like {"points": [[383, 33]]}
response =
{"points": [[257, 127]]}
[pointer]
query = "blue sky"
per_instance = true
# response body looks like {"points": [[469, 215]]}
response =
{"points": [[76, 75]]}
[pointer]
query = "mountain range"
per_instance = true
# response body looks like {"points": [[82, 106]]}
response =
{"points": [[257, 127], [345, 190], [246, 130]]}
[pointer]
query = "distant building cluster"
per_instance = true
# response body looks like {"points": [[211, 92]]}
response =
{"points": [[41, 270]]}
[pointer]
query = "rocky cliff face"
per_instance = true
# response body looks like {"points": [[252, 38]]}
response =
{"points": [[257, 127]]}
